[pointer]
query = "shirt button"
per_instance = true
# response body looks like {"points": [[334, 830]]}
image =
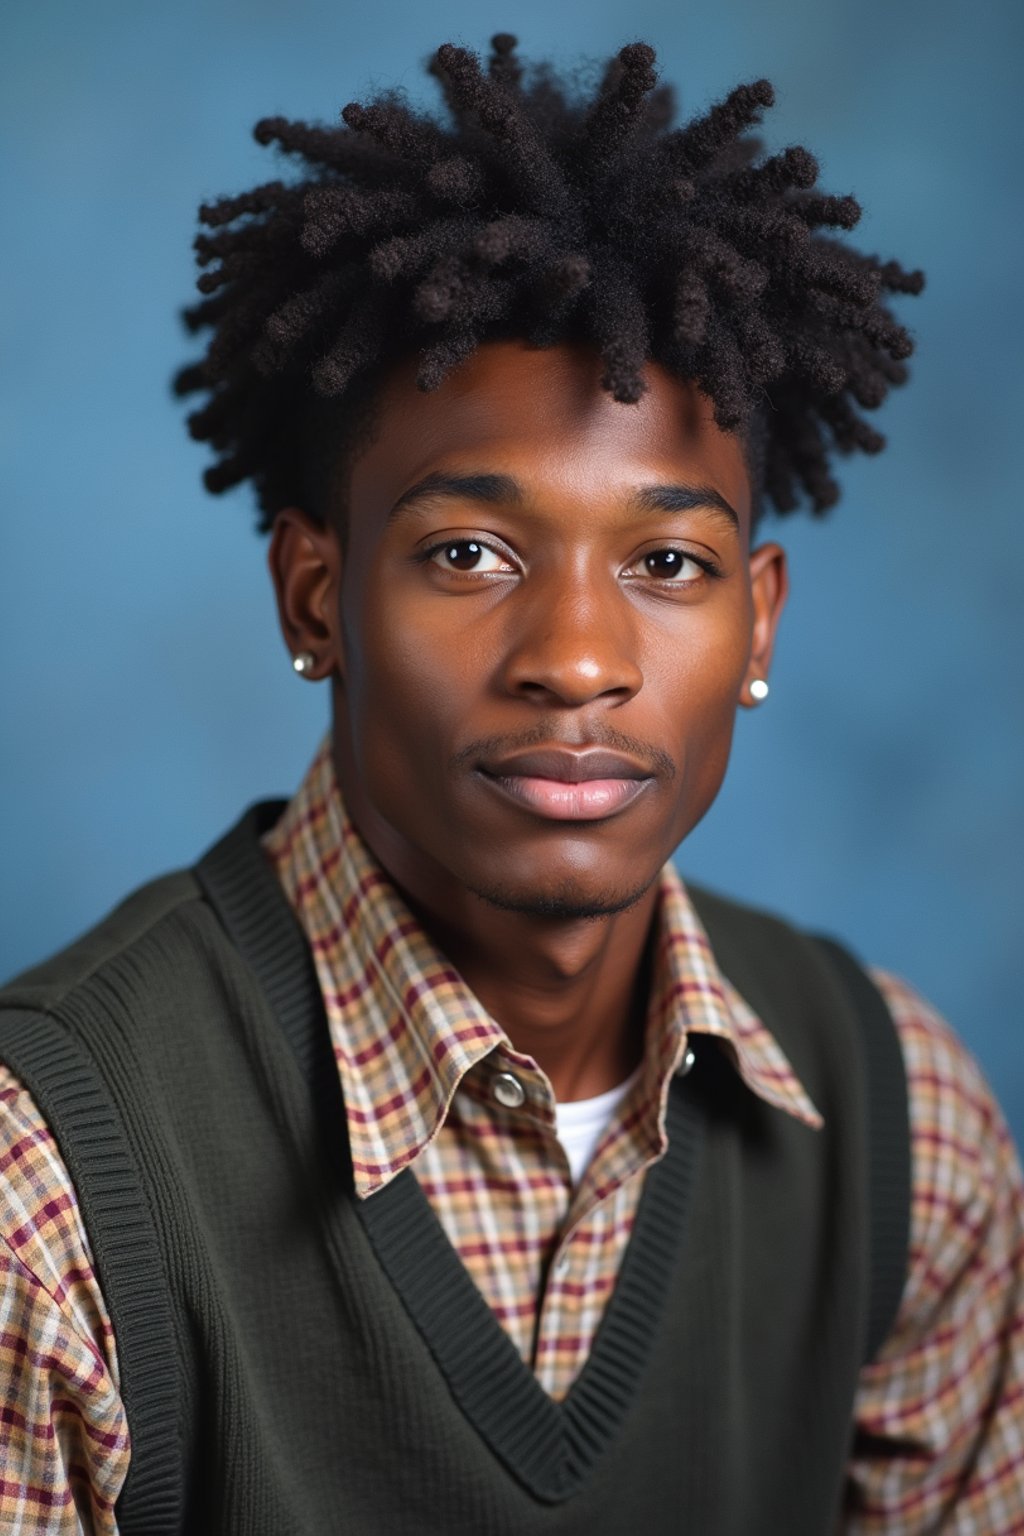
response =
{"points": [[562, 1266], [687, 1061], [508, 1090]]}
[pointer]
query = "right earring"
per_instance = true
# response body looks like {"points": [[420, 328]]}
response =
{"points": [[303, 662], [759, 690]]}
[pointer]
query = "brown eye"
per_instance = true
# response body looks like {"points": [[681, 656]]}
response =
{"points": [[469, 557], [670, 565], [463, 555]]}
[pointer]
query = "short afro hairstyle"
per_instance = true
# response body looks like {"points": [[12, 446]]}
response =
{"points": [[533, 211]]}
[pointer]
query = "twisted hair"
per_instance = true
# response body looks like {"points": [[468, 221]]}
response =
{"points": [[534, 213]]}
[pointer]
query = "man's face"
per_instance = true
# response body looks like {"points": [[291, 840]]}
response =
{"points": [[544, 625]]}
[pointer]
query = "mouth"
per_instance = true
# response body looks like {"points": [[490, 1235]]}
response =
{"points": [[569, 786]]}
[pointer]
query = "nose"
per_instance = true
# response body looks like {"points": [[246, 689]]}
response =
{"points": [[574, 642]]}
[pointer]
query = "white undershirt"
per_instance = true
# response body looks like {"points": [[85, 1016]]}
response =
{"points": [[581, 1123]]}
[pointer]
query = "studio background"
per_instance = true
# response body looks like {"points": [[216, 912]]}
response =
{"points": [[147, 696]]}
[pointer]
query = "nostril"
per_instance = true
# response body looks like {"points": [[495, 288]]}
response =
{"points": [[573, 646], [580, 686]]}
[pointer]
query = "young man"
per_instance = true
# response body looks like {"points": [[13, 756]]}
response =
{"points": [[428, 1158]]}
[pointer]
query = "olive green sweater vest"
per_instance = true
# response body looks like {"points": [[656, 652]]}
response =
{"points": [[296, 1362]]}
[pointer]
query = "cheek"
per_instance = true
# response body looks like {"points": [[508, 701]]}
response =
{"points": [[405, 691], [694, 685], [697, 671]]}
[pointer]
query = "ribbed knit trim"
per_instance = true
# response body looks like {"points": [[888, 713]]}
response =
{"points": [[747, 944], [550, 1447], [888, 1143], [239, 882], [90, 1135]]}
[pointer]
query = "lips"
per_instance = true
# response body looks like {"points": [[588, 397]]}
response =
{"points": [[567, 767], [559, 785]]}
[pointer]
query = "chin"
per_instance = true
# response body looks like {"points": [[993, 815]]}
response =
{"points": [[571, 900]]}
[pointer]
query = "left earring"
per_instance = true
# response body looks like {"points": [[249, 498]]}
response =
{"points": [[759, 690], [303, 662]]}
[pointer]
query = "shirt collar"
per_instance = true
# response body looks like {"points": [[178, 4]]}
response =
{"points": [[688, 985], [406, 1028]]}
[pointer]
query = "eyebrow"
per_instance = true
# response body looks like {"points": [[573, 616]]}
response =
{"points": [[686, 498], [503, 490], [495, 490]]}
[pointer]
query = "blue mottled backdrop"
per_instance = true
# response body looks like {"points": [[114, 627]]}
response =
{"points": [[146, 694]]}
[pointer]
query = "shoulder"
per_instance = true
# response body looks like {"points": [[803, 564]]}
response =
{"points": [[939, 1409], [930, 1043], [959, 1136], [127, 927], [41, 1225], [724, 915], [809, 995], [40, 1221], [964, 1160], [92, 1017], [63, 1406], [57, 1121], [163, 927], [954, 1112]]}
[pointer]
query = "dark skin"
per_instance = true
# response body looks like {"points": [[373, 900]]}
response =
{"points": [[538, 627]]}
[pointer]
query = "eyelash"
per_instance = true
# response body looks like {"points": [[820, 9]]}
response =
{"points": [[709, 566], [704, 562], [425, 556]]}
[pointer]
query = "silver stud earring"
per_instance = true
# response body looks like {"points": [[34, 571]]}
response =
{"points": [[303, 662], [759, 690]]}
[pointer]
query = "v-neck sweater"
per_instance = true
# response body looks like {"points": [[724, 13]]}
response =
{"points": [[307, 1361], [425, 1068]]}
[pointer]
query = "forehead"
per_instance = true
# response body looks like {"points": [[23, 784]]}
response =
{"points": [[542, 416]]}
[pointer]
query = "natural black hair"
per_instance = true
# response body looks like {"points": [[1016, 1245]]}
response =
{"points": [[533, 212]]}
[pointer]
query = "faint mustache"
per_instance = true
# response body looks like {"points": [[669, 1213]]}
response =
{"points": [[488, 748]]}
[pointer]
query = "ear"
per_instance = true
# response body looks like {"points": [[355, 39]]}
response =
{"points": [[305, 563], [769, 582]]}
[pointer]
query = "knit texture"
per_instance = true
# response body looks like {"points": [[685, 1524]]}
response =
{"points": [[326, 1382]]}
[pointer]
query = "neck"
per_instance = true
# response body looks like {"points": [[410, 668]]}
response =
{"points": [[569, 992]]}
